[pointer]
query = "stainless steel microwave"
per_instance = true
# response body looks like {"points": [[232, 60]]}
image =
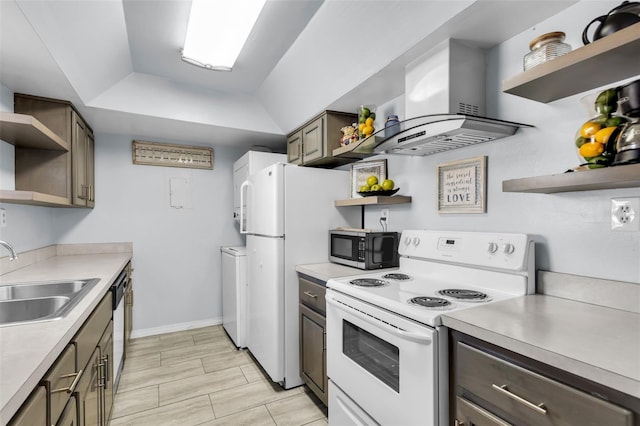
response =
{"points": [[363, 249]]}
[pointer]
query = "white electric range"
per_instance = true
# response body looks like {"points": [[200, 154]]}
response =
{"points": [[387, 351]]}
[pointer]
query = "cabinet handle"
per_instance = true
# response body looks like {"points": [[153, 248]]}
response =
{"points": [[83, 192], [540, 408], [99, 370], [105, 363], [311, 295], [458, 423], [73, 385]]}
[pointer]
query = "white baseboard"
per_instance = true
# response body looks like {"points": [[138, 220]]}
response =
{"points": [[175, 327]]}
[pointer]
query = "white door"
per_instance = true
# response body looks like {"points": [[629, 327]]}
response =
{"points": [[265, 259], [239, 176], [265, 201]]}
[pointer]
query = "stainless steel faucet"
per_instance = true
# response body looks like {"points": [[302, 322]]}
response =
{"points": [[12, 252]]}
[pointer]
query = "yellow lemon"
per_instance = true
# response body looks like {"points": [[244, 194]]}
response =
{"points": [[589, 129], [603, 135], [369, 122], [591, 149], [367, 130]]}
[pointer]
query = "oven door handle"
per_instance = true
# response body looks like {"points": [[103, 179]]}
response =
{"points": [[403, 334]]}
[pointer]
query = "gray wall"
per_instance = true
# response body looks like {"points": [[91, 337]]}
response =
{"points": [[573, 229]]}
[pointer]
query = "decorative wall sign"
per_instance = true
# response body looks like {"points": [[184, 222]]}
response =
{"points": [[160, 154], [462, 186], [361, 170]]}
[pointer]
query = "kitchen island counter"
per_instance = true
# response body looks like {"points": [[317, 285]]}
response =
{"points": [[27, 351], [598, 343]]}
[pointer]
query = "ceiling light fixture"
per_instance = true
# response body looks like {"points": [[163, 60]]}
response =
{"points": [[217, 31]]}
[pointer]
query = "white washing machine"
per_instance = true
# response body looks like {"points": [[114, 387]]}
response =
{"points": [[234, 293]]}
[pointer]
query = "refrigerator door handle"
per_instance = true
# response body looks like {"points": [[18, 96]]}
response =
{"points": [[243, 223]]}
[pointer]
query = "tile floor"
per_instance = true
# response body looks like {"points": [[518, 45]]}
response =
{"points": [[198, 377]]}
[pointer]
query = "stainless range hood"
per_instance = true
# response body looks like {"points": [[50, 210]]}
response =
{"points": [[431, 134], [450, 77]]}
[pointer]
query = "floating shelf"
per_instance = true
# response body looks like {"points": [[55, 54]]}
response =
{"points": [[27, 132], [627, 176], [374, 200], [33, 198], [609, 59]]}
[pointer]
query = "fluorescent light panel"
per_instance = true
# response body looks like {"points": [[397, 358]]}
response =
{"points": [[217, 31]]}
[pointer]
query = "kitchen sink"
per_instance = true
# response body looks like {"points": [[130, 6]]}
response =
{"points": [[41, 301]]}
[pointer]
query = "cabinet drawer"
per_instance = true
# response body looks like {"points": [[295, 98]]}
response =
{"points": [[467, 413], [61, 381], [530, 398], [87, 338], [34, 411], [312, 295]]}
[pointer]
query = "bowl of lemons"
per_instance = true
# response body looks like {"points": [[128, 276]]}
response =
{"points": [[373, 187]]}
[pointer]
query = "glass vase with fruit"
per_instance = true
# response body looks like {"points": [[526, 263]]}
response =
{"points": [[595, 140]]}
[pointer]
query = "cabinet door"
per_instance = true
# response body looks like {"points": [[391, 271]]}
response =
{"points": [[34, 411], [469, 414], [90, 170], [69, 416], [79, 160], [313, 141], [313, 360], [106, 358], [90, 391], [294, 148], [62, 380]]}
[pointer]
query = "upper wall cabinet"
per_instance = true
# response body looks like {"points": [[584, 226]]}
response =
{"points": [[313, 143], [56, 174], [607, 60]]}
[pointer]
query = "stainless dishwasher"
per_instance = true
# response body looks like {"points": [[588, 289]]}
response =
{"points": [[118, 289]]}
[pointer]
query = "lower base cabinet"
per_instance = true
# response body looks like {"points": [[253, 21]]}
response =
{"points": [[95, 390], [494, 387], [78, 389], [313, 347]]}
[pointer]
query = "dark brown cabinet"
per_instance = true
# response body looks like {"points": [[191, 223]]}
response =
{"points": [[63, 177], [491, 386], [313, 348], [313, 143]]}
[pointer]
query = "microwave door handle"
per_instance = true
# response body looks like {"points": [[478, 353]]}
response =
{"points": [[403, 334], [243, 227]]}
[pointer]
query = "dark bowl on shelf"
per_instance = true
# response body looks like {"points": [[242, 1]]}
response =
{"points": [[383, 192]]}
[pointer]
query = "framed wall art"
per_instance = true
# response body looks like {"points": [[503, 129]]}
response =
{"points": [[462, 186], [162, 154], [361, 170]]}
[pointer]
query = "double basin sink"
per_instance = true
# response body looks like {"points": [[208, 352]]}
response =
{"points": [[31, 302]]}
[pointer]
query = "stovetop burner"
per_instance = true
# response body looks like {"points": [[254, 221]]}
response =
{"points": [[464, 294], [369, 282], [430, 302], [396, 276]]}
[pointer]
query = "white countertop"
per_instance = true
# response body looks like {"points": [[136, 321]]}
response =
{"points": [[598, 343], [326, 271], [28, 351]]}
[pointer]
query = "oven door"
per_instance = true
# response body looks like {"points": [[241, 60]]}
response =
{"points": [[385, 363]]}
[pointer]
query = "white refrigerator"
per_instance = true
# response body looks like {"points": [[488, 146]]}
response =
{"points": [[290, 210]]}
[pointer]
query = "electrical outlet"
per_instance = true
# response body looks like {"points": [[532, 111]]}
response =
{"points": [[3, 218], [384, 214], [625, 214]]}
